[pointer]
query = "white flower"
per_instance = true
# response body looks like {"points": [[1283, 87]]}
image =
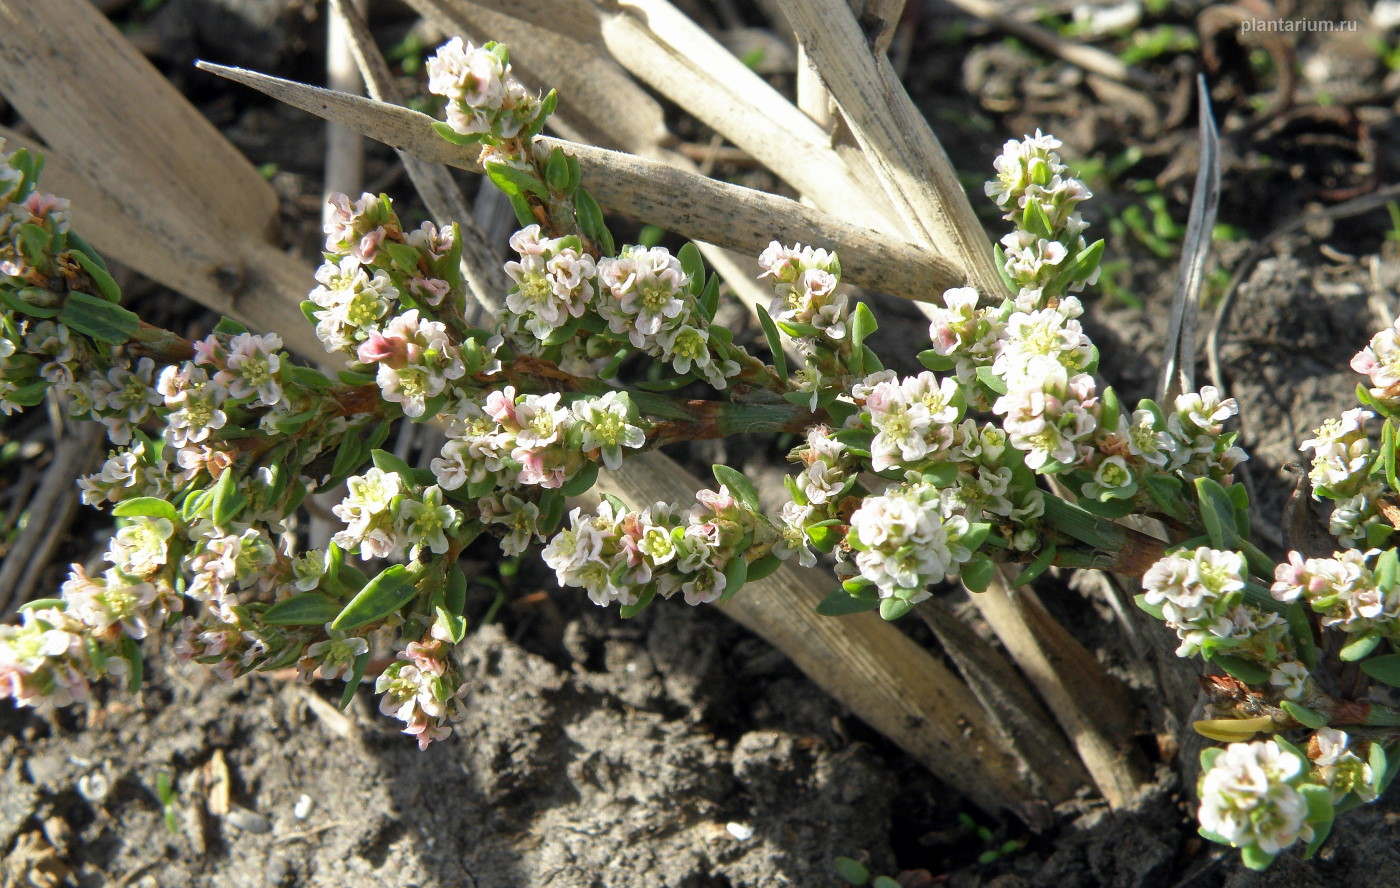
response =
{"points": [[605, 427], [1249, 797]]}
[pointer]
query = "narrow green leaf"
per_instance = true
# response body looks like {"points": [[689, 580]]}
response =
{"points": [[590, 222], [582, 482], [1359, 649], [1244, 670], [98, 318], [987, 377], [1255, 858], [1306, 717], [736, 574], [305, 609], [228, 499], [692, 266], [739, 486], [556, 172], [385, 461], [1152, 610], [352, 684], [131, 651], [644, 598], [99, 274], [894, 608], [775, 343], [840, 603], [382, 596], [978, 573], [763, 567], [456, 138], [1384, 669], [149, 506]]}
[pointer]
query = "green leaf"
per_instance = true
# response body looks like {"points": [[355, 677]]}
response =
{"points": [[582, 482], [736, 574], [978, 573], [644, 598], [229, 327], [131, 652], [350, 455], [98, 272], [305, 609], [1301, 629], [385, 461], [1256, 858], [760, 568], [692, 266], [840, 603], [852, 871], [1244, 670], [352, 684], [1217, 512], [456, 138], [228, 499], [991, 380], [1152, 610], [894, 608], [739, 486], [1036, 222], [350, 377], [936, 362], [1359, 648], [863, 323], [1384, 669], [96, 317], [149, 506], [887, 882], [1038, 566], [43, 603], [709, 298], [1309, 718], [556, 172], [590, 222], [775, 343], [1082, 266], [382, 596]]}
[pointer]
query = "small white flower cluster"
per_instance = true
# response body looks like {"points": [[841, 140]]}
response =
{"points": [[45, 211], [1341, 769], [645, 296], [363, 284], [1250, 797], [424, 689], [828, 473], [907, 538], [534, 439], [1342, 453], [1197, 428], [1201, 595], [620, 555], [483, 98], [805, 290], [555, 281], [1380, 360], [127, 473], [48, 660], [970, 335], [1343, 589], [912, 418], [1051, 403], [1036, 190], [224, 561], [388, 517]]}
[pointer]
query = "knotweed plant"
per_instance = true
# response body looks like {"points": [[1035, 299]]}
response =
{"points": [[1005, 451]]}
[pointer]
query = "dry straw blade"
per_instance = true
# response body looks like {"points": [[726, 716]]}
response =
{"points": [[691, 205]]}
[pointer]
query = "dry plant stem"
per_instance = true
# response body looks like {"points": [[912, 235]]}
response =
{"points": [[480, 264], [1050, 763], [1087, 57], [161, 189], [915, 172], [48, 514], [866, 663], [345, 155], [670, 53], [693, 206]]}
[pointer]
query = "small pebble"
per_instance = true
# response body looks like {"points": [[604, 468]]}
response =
{"points": [[248, 821], [94, 787], [303, 807], [741, 831]]}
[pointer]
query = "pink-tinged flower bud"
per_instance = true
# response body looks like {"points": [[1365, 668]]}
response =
{"points": [[381, 349]]}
